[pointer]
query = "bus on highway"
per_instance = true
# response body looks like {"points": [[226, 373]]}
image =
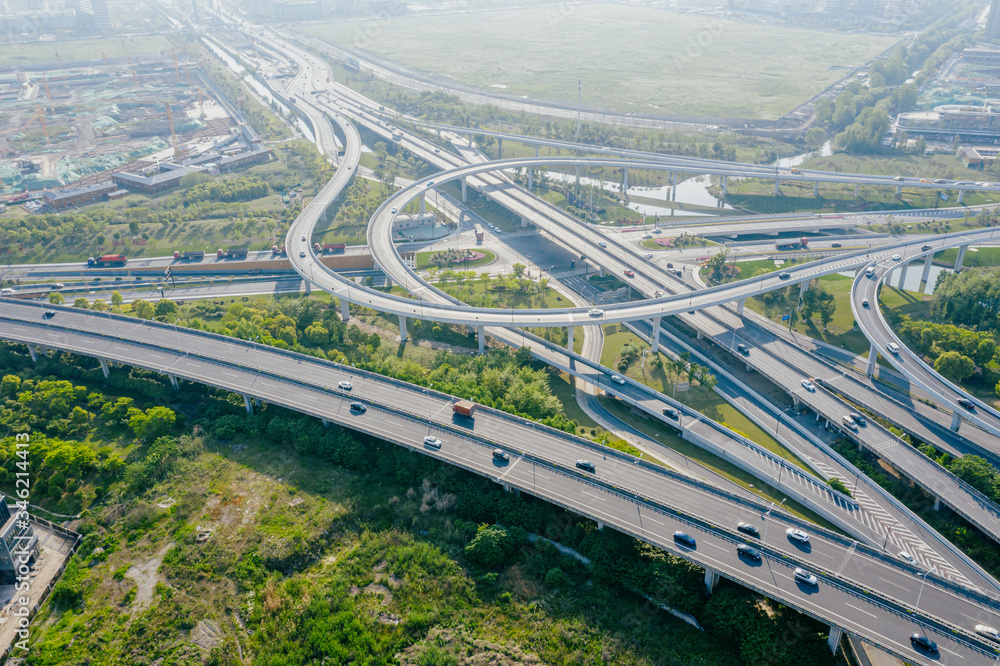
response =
{"points": [[479, 233]]}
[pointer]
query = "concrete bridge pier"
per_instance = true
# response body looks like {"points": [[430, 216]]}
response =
{"points": [[34, 353], [711, 580], [740, 304], [816, 188], [725, 185], [625, 182], [423, 202], [600, 524], [388, 280], [803, 288], [500, 147], [937, 503], [857, 191], [673, 186], [104, 368], [482, 339], [655, 335], [402, 328], [601, 272], [308, 287], [174, 382], [960, 258], [345, 312], [326, 424], [465, 196], [902, 274], [833, 640], [248, 404], [531, 180], [927, 270], [961, 193], [872, 360], [899, 191], [777, 184], [956, 420], [536, 150], [569, 342]]}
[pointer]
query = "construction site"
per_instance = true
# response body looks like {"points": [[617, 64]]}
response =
{"points": [[76, 132]]}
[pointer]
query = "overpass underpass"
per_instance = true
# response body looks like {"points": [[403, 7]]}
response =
{"points": [[638, 498]]}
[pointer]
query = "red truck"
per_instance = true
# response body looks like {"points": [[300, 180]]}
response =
{"points": [[629, 273], [107, 260], [232, 253], [330, 247], [464, 408]]}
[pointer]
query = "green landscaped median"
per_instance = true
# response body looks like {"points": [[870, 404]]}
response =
{"points": [[424, 261]]}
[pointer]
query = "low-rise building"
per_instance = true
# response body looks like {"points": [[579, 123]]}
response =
{"points": [[77, 196]]}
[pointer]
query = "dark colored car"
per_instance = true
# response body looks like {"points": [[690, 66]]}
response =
{"points": [[920, 640], [925, 248], [684, 538], [747, 528], [500, 454], [784, 275], [836, 245], [748, 551], [860, 420], [670, 413], [358, 407], [743, 349], [586, 465], [49, 314], [967, 404]]}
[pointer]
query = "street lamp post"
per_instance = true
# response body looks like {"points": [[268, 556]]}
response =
{"points": [[256, 353], [636, 463], [767, 519], [926, 573]]}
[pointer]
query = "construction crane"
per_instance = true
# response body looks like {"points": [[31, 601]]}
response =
{"points": [[128, 60], [201, 102], [48, 93], [177, 64], [178, 153], [5, 136]]}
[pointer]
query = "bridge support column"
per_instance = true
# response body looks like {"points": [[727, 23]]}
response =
{"points": [[654, 336], [345, 310], [423, 203], [482, 339], [803, 288], [872, 360], [927, 269], [569, 342], [899, 191], [536, 150], [402, 328], [740, 304], [34, 353], [956, 420], [777, 184], [857, 191], [500, 147], [725, 185], [902, 274], [673, 186], [326, 424], [388, 280], [833, 640], [248, 403], [174, 382], [104, 368], [816, 188], [465, 196], [600, 524], [308, 287], [601, 272], [711, 580], [625, 182], [961, 193], [960, 258], [531, 180], [937, 503]]}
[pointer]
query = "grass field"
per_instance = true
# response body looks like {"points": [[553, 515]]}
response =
{"points": [[82, 49], [676, 63]]}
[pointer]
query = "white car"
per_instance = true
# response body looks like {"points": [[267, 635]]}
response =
{"points": [[656, 231], [797, 535], [805, 577], [647, 236], [896, 257], [617, 380], [345, 385], [303, 239], [393, 211], [988, 631], [906, 557], [602, 243], [893, 347], [808, 385], [596, 312], [302, 253], [648, 255], [432, 441]]}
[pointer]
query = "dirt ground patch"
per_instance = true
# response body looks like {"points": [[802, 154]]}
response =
{"points": [[146, 576]]}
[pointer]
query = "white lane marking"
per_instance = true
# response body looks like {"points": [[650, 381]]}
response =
{"points": [[860, 610], [709, 543], [891, 583], [230, 374], [590, 495], [950, 652]]}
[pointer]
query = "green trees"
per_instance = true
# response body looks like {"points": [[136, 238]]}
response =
{"points": [[56, 298], [954, 365], [969, 298], [243, 188], [494, 545], [153, 423]]}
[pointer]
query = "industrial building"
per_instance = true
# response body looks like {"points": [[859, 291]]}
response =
{"points": [[993, 20], [18, 543], [953, 120], [152, 183], [78, 196]]}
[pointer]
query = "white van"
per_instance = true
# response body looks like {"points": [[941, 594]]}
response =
{"points": [[893, 347], [6, 291]]}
